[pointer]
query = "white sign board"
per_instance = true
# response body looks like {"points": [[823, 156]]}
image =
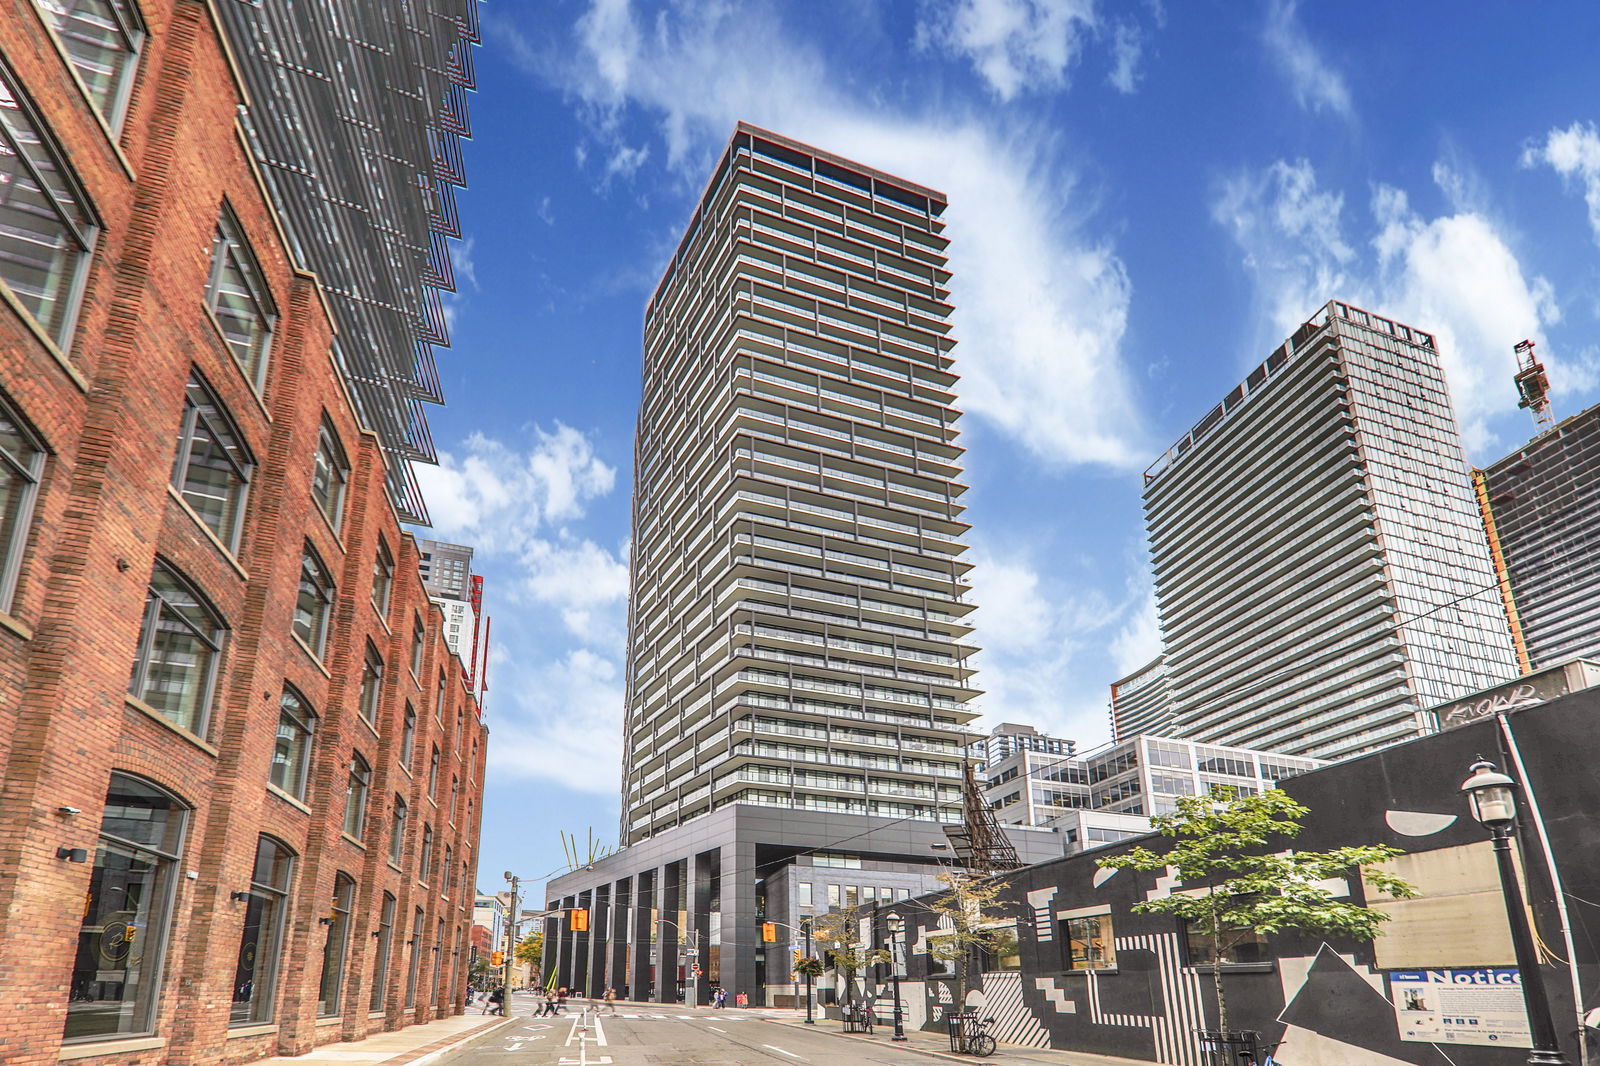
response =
{"points": [[1482, 1006]]}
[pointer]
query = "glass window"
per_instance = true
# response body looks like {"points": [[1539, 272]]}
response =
{"points": [[261, 941], [852, 896], [408, 736], [1239, 946], [833, 897], [329, 474], [314, 605], [446, 869], [414, 951], [418, 633], [455, 797], [805, 894], [1003, 952], [46, 224], [355, 796], [380, 969], [239, 300], [337, 921], [291, 754], [122, 941], [21, 463], [397, 831], [180, 641], [1088, 943], [212, 468], [425, 861], [433, 772], [371, 686], [438, 706], [102, 40], [382, 577]]}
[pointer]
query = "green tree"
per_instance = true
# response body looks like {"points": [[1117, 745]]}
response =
{"points": [[972, 918], [530, 949], [1228, 851], [839, 934]]}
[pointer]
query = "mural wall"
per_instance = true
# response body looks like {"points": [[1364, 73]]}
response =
{"points": [[1431, 991]]}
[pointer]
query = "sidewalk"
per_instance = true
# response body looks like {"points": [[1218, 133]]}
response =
{"points": [[415, 1045], [938, 1044]]}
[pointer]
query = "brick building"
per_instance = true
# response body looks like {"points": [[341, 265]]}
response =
{"points": [[242, 772]]}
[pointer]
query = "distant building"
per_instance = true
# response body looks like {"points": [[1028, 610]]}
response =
{"points": [[1139, 776], [1541, 509], [1320, 565], [1141, 703], [1008, 738], [446, 569]]}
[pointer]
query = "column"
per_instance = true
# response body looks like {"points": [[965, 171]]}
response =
{"points": [[741, 929]]}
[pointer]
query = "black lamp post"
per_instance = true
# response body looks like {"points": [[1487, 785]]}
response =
{"points": [[897, 951], [1492, 798], [805, 924]]}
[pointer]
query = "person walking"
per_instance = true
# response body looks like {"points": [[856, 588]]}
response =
{"points": [[561, 1001], [547, 1004], [611, 1000], [496, 1003]]}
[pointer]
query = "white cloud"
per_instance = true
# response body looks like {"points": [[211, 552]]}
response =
{"points": [[1041, 307], [1455, 275], [1016, 46], [512, 505], [1574, 153], [1318, 86], [1289, 232], [558, 720], [1043, 660], [1139, 639], [1127, 49]]}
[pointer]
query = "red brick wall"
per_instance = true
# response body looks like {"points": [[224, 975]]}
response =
{"points": [[108, 405]]}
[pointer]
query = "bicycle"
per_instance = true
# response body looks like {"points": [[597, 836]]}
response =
{"points": [[1268, 1059], [971, 1036]]}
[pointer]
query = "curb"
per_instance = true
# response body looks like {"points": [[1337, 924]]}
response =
{"points": [[459, 1043], [905, 1046]]}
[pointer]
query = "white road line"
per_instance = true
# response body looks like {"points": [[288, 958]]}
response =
{"points": [[714, 1029], [780, 1051], [599, 1032]]}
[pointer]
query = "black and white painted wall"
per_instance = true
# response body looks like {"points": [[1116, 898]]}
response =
{"points": [[1331, 1003]]}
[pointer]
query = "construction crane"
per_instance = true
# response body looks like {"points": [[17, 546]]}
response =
{"points": [[1533, 385]]}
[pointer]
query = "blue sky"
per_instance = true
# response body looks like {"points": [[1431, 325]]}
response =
{"points": [[1144, 200]]}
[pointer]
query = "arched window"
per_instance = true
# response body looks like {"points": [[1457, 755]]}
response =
{"points": [[385, 935], [425, 863], [337, 921], [261, 940], [180, 641], [123, 938], [397, 831], [355, 796], [414, 957], [291, 752]]}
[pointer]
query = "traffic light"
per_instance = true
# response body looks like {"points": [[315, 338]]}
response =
{"points": [[769, 932], [798, 955], [580, 920], [498, 958]]}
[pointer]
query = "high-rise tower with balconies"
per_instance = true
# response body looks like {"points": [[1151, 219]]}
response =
{"points": [[1320, 569], [796, 619]]}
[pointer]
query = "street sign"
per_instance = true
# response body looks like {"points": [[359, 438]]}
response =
{"points": [[691, 952]]}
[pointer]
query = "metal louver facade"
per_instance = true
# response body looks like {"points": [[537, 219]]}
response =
{"points": [[356, 115]]}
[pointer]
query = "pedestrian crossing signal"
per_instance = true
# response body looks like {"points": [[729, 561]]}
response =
{"points": [[769, 932], [580, 920], [498, 958]]}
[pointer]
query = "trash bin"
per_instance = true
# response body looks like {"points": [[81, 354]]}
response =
{"points": [[1232, 1047]]}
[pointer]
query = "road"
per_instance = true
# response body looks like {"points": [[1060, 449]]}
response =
{"points": [[638, 1036]]}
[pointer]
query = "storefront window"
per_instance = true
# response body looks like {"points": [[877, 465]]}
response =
{"points": [[261, 941], [117, 971], [1088, 943], [1239, 947], [333, 949]]}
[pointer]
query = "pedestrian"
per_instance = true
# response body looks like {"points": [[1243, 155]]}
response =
{"points": [[611, 1000], [561, 1001], [496, 1003], [547, 1003]]}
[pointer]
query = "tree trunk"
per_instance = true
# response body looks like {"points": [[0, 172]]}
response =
{"points": [[1216, 964]]}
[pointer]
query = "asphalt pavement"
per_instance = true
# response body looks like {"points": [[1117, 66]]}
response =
{"points": [[663, 1036]]}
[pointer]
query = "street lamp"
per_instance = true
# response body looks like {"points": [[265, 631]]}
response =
{"points": [[511, 940], [805, 925], [1492, 798], [897, 951]]}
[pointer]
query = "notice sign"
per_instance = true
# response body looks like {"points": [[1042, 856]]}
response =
{"points": [[1460, 1006]]}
